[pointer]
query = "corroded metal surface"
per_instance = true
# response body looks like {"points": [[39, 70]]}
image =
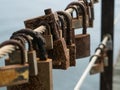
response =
{"points": [[43, 81]]}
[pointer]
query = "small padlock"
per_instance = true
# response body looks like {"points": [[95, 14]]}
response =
{"points": [[76, 21], [47, 35], [104, 54], [14, 74], [69, 37], [43, 81], [98, 67], [82, 41]]}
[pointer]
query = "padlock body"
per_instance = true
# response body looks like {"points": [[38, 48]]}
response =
{"points": [[33, 69], [43, 81], [49, 41], [97, 68], [59, 54], [14, 75], [82, 42], [72, 51], [12, 58], [77, 23], [15, 55]]}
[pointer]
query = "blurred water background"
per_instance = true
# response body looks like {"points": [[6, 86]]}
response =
{"points": [[14, 12]]}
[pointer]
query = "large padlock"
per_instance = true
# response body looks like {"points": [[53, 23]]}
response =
{"points": [[69, 37], [60, 56], [43, 81], [14, 74], [76, 20], [98, 67], [82, 41], [47, 35]]}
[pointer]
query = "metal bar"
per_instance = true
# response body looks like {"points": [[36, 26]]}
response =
{"points": [[78, 85], [107, 26], [9, 48]]}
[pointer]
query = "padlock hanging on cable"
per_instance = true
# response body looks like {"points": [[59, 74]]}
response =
{"points": [[98, 67], [14, 74], [59, 53], [44, 64], [69, 36], [31, 54], [82, 41], [77, 5]]}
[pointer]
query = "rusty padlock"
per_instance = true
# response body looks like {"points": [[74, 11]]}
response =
{"points": [[33, 70], [79, 5], [49, 18], [59, 53], [14, 74], [77, 20], [43, 81], [98, 67], [63, 32], [47, 35], [82, 41], [69, 36]]}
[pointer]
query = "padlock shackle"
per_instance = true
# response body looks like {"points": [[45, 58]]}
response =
{"points": [[62, 21], [30, 47], [38, 39], [83, 8], [68, 19], [19, 39], [16, 43], [76, 10], [47, 26]]}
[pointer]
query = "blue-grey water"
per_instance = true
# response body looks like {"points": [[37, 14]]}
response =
{"points": [[14, 12]]}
